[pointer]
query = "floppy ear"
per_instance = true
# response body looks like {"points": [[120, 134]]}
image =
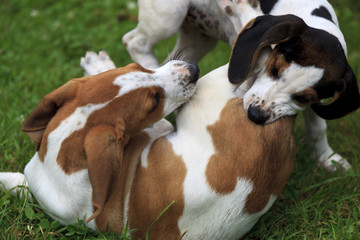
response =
{"points": [[261, 32], [345, 100], [104, 147], [35, 125]]}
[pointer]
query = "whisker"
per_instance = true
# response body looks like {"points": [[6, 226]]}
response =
{"points": [[184, 54]]}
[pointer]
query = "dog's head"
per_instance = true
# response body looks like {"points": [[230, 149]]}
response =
{"points": [[289, 66], [138, 95]]}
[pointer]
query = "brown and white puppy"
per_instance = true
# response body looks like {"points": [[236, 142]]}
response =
{"points": [[219, 170], [80, 131]]}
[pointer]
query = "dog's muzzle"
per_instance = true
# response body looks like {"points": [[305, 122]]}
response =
{"points": [[257, 115], [194, 71]]}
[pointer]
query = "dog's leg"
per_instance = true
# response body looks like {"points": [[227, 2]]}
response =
{"points": [[316, 138], [94, 64], [158, 20], [191, 45], [16, 183], [246, 10]]}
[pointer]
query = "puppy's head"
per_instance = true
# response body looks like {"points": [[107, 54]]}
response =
{"points": [[289, 66], [133, 94]]}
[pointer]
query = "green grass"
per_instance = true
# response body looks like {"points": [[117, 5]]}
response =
{"points": [[41, 43]]}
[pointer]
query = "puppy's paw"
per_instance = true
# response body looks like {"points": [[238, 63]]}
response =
{"points": [[333, 162], [160, 128], [16, 183], [94, 64]]}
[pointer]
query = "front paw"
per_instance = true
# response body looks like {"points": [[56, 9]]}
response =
{"points": [[94, 63], [333, 162]]}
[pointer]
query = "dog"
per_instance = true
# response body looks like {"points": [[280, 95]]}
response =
{"points": [[202, 23], [80, 131], [213, 178]]}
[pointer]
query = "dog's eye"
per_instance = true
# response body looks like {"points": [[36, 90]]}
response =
{"points": [[156, 97], [302, 99], [275, 73]]}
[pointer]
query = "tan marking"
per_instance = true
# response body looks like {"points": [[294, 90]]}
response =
{"points": [[253, 3], [229, 11], [123, 107], [154, 189], [310, 95], [276, 61], [75, 93], [113, 211], [262, 154]]}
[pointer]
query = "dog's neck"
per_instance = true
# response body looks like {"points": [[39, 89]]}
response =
{"points": [[213, 92]]}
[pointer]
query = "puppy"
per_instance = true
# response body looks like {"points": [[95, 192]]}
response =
{"points": [[214, 177], [202, 23], [80, 131]]}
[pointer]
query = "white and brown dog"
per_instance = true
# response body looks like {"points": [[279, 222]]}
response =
{"points": [[80, 131], [316, 56], [220, 170]]}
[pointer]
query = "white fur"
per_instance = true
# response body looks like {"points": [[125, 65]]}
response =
{"points": [[94, 64]]}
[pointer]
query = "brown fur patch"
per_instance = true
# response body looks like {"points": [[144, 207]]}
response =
{"points": [[156, 186], [276, 64], [306, 97], [120, 108], [82, 91], [113, 212], [262, 154]]}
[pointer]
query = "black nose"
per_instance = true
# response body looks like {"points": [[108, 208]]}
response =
{"points": [[257, 115], [194, 71]]}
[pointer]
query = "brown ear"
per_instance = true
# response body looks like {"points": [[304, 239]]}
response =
{"points": [[34, 126], [104, 147], [345, 100], [257, 34]]}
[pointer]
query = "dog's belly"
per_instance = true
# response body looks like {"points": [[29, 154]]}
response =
{"points": [[208, 19], [65, 198], [221, 216]]}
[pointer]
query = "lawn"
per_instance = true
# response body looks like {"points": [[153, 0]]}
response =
{"points": [[41, 43]]}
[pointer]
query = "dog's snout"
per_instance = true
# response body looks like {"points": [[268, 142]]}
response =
{"points": [[257, 115], [194, 71]]}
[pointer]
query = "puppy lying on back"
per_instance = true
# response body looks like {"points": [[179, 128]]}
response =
{"points": [[81, 128]]}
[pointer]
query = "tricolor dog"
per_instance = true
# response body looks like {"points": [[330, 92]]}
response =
{"points": [[80, 131], [307, 67]]}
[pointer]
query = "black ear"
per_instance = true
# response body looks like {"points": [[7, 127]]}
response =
{"points": [[346, 100], [261, 32]]}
